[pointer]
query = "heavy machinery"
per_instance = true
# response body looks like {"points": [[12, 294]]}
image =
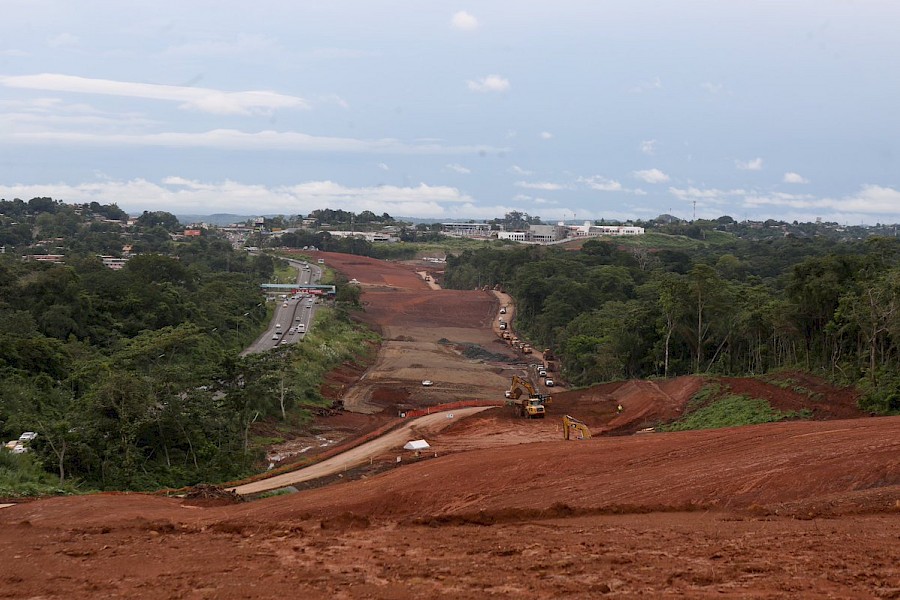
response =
{"points": [[550, 362], [531, 407], [571, 425]]}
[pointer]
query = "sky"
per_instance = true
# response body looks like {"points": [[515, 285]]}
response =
{"points": [[566, 110]]}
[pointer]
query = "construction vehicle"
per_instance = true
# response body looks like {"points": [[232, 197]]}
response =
{"points": [[571, 424], [550, 363], [531, 407]]}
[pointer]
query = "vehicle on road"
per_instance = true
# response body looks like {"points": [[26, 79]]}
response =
{"points": [[301, 327], [275, 336], [427, 383], [549, 382]]}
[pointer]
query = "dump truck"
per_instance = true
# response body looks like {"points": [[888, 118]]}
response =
{"points": [[532, 407]]}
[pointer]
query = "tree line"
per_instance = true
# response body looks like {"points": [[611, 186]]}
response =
{"points": [[739, 308]]}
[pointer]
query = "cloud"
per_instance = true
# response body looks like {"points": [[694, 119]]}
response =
{"points": [[651, 176], [545, 201], [242, 47], [541, 185], [602, 184], [647, 86], [193, 98], [713, 88], [63, 40], [869, 200], [491, 83], [464, 21], [755, 164], [230, 139], [383, 167], [519, 170], [182, 195], [791, 177], [545, 135], [648, 147], [14, 53], [458, 168], [705, 196]]}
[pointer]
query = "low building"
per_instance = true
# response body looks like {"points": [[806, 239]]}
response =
{"points": [[467, 229], [591, 230], [113, 262]]}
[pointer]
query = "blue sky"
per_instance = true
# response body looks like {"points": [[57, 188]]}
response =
{"points": [[565, 109]]}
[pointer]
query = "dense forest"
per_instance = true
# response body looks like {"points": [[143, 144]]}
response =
{"points": [[738, 308], [132, 377]]}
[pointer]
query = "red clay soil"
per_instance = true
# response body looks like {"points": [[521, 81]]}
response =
{"points": [[787, 510], [801, 509], [796, 391]]}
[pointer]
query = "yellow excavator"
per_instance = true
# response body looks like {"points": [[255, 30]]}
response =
{"points": [[571, 425], [531, 407]]}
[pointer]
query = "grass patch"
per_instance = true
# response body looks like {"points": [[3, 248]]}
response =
{"points": [[708, 409], [21, 476]]}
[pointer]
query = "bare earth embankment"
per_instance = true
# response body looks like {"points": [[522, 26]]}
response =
{"points": [[507, 509]]}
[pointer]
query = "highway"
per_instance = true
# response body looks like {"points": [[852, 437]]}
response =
{"points": [[293, 314]]}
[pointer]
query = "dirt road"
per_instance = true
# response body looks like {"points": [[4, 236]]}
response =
{"points": [[784, 510], [415, 429]]}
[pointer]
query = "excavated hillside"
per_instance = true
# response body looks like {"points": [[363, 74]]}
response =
{"points": [[502, 506]]}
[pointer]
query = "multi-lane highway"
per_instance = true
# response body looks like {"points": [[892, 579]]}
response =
{"points": [[293, 315]]}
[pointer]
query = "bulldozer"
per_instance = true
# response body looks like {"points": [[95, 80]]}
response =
{"points": [[531, 407], [571, 424]]}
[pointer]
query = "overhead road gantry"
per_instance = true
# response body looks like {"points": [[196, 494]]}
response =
{"points": [[294, 288]]}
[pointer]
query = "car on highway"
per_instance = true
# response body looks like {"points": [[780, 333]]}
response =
{"points": [[275, 336], [549, 383], [427, 383], [301, 327]]}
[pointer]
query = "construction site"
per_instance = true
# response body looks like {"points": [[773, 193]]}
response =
{"points": [[462, 466]]}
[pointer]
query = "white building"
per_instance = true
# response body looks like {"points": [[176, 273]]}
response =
{"points": [[466, 229], [590, 230]]}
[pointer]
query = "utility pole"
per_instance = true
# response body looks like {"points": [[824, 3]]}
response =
{"points": [[695, 210]]}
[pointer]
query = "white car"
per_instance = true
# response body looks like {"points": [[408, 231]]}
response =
{"points": [[427, 383], [549, 383]]}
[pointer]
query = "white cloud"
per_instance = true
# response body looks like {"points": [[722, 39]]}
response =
{"points": [[383, 166], [651, 176], [546, 135], [713, 88], [705, 196], [491, 83], [545, 201], [792, 177], [63, 40], [602, 184], [519, 170], [194, 98], [755, 164], [230, 139], [456, 168], [647, 86], [182, 195], [541, 185], [869, 200], [464, 21], [14, 53], [242, 46], [648, 147]]}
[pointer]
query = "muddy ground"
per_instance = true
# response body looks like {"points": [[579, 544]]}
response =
{"points": [[802, 509]]}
